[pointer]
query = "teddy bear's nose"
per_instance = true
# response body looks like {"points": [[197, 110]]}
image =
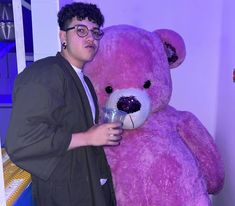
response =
{"points": [[128, 104]]}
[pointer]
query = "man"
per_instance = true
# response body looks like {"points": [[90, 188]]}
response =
{"points": [[52, 132]]}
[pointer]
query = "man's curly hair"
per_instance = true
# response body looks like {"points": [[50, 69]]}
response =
{"points": [[81, 11]]}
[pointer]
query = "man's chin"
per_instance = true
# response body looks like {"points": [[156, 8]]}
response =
{"points": [[90, 58]]}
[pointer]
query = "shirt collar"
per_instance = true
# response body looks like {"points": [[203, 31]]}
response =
{"points": [[77, 70]]}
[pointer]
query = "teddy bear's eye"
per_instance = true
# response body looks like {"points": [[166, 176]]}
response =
{"points": [[147, 84], [109, 89]]}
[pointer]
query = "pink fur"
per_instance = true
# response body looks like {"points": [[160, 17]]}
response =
{"points": [[171, 160]]}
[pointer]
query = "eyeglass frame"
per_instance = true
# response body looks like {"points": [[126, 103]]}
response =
{"points": [[92, 31]]}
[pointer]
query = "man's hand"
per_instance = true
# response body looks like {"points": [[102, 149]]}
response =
{"points": [[98, 135]]}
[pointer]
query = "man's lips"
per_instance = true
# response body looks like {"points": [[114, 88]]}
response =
{"points": [[90, 46]]}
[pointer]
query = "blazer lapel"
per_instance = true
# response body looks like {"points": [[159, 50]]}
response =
{"points": [[92, 90], [70, 71]]}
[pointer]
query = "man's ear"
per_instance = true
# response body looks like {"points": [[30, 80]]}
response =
{"points": [[62, 35]]}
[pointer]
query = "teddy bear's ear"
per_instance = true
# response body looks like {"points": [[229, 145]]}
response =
{"points": [[174, 46]]}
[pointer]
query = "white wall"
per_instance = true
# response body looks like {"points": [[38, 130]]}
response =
{"points": [[202, 84], [44, 26]]}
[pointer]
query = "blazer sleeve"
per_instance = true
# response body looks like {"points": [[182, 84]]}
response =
{"points": [[36, 139]]}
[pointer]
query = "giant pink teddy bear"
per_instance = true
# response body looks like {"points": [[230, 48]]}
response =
{"points": [[166, 157]]}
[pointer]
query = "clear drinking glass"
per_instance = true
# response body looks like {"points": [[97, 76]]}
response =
{"points": [[112, 115]]}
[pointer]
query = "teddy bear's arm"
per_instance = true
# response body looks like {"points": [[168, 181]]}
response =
{"points": [[202, 145]]}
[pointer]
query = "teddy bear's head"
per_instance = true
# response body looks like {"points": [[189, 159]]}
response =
{"points": [[131, 71]]}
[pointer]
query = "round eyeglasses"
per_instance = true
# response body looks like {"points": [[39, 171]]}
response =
{"points": [[82, 31]]}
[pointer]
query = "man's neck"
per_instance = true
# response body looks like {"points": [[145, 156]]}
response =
{"points": [[71, 60]]}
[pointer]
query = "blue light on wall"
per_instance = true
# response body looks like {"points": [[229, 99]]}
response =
{"points": [[8, 65], [8, 60]]}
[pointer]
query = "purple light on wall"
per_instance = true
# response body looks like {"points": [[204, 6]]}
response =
{"points": [[63, 2]]}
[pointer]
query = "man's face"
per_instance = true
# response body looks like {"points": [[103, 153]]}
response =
{"points": [[79, 50]]}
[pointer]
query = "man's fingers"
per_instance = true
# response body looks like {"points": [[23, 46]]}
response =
{"points": [[114, 125], [114, 143], [115, 131], [114, 138]]}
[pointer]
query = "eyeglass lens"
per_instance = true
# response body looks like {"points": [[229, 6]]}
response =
{"points": [[83, 31]]}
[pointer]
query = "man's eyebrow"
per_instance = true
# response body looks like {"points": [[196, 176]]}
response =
{"points": [[96, 28]]}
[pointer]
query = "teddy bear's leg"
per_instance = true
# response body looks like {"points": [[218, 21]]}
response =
{"points": [[154, 173]]}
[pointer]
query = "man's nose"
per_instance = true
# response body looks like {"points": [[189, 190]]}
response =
{"points": [[90, 36]]}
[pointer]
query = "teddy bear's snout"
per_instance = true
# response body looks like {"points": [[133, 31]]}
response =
{"points": [[128, 104]]}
